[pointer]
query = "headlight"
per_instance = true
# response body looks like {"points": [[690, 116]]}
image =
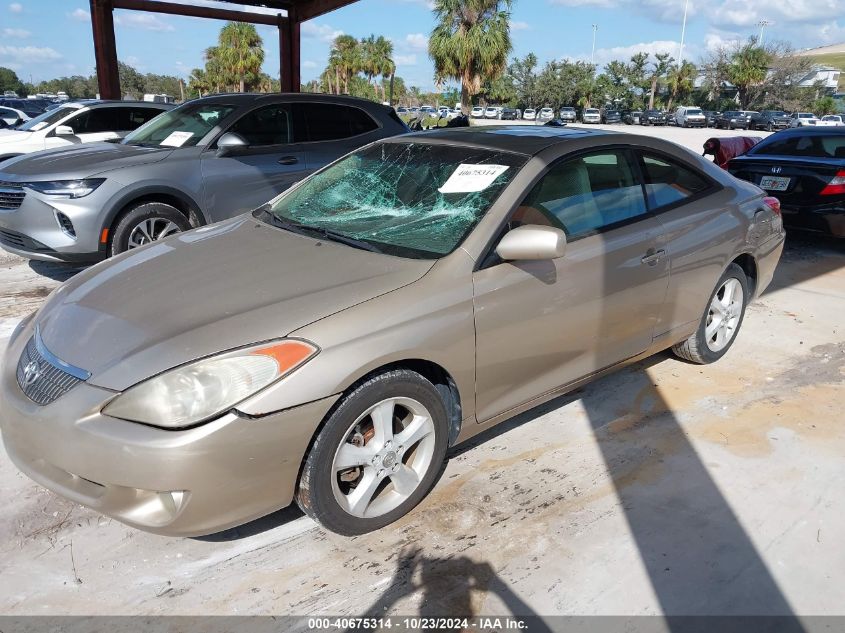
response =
{"points": [[206, 388], [67, 188]]}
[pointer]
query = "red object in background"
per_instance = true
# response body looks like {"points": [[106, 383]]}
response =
{"points": [[723, 149]]}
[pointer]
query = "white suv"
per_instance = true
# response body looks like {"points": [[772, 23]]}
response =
{"points": [[81, 122]]}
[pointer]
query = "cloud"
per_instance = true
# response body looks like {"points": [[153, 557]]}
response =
{"points": [[516, 25], [19, 34], [322, 32], [624, 53], [309, 64], [416, 42], [16, 7], [606, 4], [405, 60], [143, 21], [80, 15], [219, 4], [428, 4], [27, 54]]}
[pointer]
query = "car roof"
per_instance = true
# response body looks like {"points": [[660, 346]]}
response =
{"points": [[524, 139], [246, 98], [809, 131]]}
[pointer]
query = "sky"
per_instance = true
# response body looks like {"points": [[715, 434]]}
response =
{"points": [[42, 39]]}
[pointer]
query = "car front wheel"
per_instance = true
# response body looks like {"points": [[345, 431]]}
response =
{"points": [[377, 456], [721, 321], [144, 223]]}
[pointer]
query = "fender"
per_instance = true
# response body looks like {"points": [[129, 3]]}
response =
{"points": [[118, 204]]}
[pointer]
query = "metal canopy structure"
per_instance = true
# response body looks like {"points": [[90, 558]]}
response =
{"points": [[291, 14]]}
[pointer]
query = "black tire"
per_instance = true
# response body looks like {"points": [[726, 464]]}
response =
{"points": [[134, 216], [315, 495], [695, 348]]}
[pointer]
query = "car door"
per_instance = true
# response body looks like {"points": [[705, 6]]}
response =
{"points": [[544, 324], [267, 165], [332, 130], [90, 126]]}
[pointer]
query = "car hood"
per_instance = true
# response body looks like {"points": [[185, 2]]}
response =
{"points": [[216, 288], [79, 161]]}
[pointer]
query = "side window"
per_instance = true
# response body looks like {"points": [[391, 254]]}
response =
{"points": [[584, 195], [269, 125], [667, 182], [95, 121], [329, 121], [131, 118]]}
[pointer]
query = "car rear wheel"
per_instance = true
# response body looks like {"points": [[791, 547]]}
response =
{"points": [[144, 223], [721, 321], [377, 456]]}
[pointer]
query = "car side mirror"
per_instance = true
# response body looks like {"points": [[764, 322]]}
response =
{"points": [[231, 143], [532, 242], [64, 130]]}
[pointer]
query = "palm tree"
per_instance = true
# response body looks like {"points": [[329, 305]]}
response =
{"points": [[748, 66], [347, 56], [680, 81], [241, 52], [383, 58], [199, 82], [369, 57], [470, 43], [661, 66]]}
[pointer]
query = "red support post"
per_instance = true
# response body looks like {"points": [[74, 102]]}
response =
{"points": [[105, 50]]}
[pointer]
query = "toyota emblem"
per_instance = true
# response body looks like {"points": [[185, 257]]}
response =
{"points": [[776, 170], [31, 373]]}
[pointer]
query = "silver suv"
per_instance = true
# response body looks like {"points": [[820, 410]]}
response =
{"points": [[206, 160]]}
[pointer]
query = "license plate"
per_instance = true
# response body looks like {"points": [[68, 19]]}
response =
{"points": [[774, 183]]}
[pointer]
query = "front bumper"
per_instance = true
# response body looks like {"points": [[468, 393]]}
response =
{"points": [[178, 483], [32, 230]]}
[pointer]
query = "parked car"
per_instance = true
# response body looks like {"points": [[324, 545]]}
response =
{"points": [[546, 114], [800, 119], [491, 113], [611, 116], [688, 116], [710, 117], [653, 117], [509, 114], [319, 353], [805, 168], [631, 117], [567, 114], [477, 112], [11, 117], [30, 107], [770, 120], [529, 114], [732, 120], [75, 123], [206, 160], [836, 119], [590, 115]]}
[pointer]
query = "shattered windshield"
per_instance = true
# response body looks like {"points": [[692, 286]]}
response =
{"points": [[407, 199]]}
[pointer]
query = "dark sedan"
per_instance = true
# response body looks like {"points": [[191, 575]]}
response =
{"points": [[611, 116], [710, 117], [652, 117], [770, 120], [732, 120], [805, 169], [631, 117], [509, 114]]}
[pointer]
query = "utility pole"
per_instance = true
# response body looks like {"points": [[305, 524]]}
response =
{"points": [[593, 54], [762, 24], [683, 32]]}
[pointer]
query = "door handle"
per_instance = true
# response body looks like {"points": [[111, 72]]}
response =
{"points": [[288, 160], [652, 257]]}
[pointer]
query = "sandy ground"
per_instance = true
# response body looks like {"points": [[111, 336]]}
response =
{"points": [[665, 488]]}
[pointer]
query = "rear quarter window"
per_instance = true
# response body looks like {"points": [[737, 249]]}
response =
{"points": [[330, 121]]}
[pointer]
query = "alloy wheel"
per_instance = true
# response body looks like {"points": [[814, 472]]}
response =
{"points": [[383, 458], [724, 315], [151, 230]]}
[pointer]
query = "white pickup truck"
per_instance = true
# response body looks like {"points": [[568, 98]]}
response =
{"points": [[800, 119]]}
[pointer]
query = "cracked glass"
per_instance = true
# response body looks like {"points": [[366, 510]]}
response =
{"points": [[387, 197]]}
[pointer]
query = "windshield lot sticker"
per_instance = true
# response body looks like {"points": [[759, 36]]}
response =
{"points": [[472, 178], [177, 139]]}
